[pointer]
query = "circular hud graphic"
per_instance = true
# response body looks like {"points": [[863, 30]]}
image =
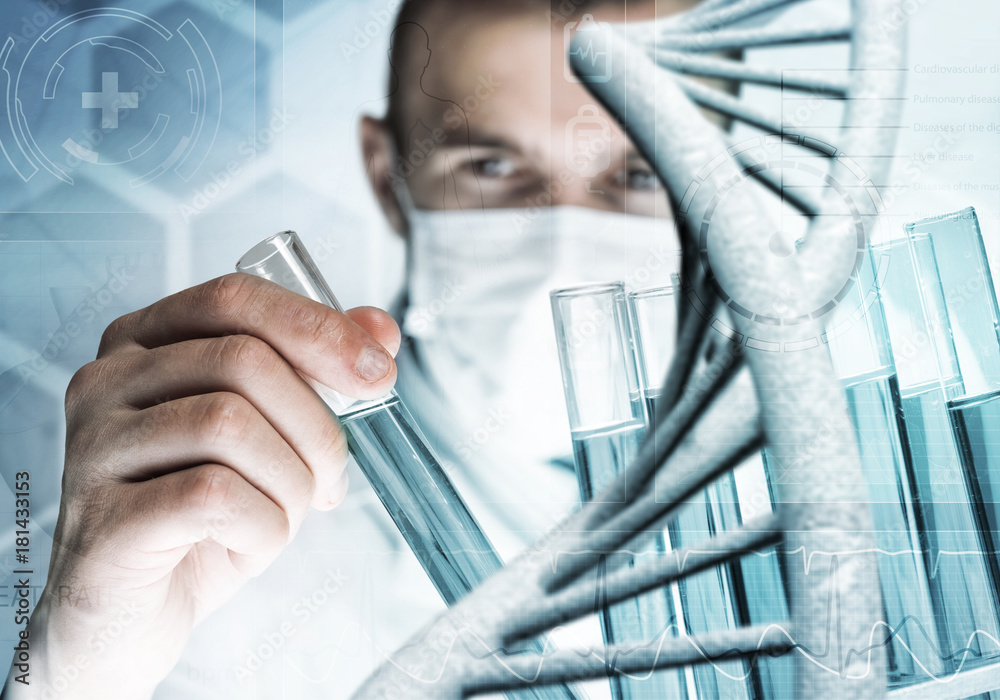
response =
{"points": [[99, 70], [849, 198]]}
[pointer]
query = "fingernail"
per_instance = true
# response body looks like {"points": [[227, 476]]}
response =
{"points": [[339, 490], [374, 364]]}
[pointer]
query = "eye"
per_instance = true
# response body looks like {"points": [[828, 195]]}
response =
{"points": [[638, 178], [493, 167]]}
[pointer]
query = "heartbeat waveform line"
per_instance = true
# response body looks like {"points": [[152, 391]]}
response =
{"points": [[965, 652], [874, 639], [588, 52], [339, 648], [807, 559], [814, 657], [664, 634]]}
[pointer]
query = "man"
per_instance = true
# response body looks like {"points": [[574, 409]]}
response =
{"points": [[195, 450]]}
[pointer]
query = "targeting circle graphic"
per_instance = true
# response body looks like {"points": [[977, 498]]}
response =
{"points": [[851, 197], [90, 75]]}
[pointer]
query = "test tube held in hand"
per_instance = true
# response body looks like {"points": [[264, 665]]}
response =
{"points": [[394, 455]]}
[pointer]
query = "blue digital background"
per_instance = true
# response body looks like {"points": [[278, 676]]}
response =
{"points": [[272, 90]]}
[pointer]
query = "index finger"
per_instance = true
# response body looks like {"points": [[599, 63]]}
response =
{"points": [[315, 339]]}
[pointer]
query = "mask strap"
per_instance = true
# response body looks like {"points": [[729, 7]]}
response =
{"points": [[404, 313]]}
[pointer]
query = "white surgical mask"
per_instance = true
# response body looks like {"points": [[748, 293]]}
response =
{"points": [[480, 319]]}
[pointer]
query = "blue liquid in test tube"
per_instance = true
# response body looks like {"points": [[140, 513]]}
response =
{"points": [[862, 356], [395, 458], [607, 420], [742, 592], [957, 290]]}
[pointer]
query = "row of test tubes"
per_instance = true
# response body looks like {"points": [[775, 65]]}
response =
{"points": [[916, 344], [938, 319], [920, 364], [615, 348], [609, 415]]}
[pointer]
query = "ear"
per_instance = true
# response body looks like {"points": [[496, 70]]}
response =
{"points": [[378, 150]]}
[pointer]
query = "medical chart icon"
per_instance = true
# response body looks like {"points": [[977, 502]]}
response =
{"points": [[85, 95], [588, 142], [585, 50]]}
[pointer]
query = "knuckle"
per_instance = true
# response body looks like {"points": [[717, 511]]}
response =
{"points": [[222, 419], [116, 332], [87, 518], [245, 356], [330, 459], [282, 531], [82, 381], [315, 324], [306, 491], [209, 489], [289, 482], [225, 295], [335, 439], [84, 386]]}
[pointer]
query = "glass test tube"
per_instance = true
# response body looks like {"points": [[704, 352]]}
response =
{"points": [[859, 345], [394, 456], [607, 421], [954, 254], [947, 519], [717, 598]]}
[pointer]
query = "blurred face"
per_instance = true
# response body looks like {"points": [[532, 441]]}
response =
{"points": [[490, 119]]}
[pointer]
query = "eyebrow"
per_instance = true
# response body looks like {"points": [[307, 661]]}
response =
{"points": [[481, 140], [486, 139], [484, 142]]}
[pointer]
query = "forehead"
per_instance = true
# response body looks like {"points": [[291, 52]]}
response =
{"points": [[500, 72]]}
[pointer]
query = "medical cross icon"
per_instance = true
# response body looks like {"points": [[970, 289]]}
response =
{"points": [[110, 101]]}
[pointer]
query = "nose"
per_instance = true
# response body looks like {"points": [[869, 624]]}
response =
{"points": [[583, 192], [582, 156]]}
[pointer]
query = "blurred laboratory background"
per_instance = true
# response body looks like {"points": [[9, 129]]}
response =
{"points": [[235, 119]]}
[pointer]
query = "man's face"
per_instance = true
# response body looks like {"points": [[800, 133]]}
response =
{"points": [[494, 122]]}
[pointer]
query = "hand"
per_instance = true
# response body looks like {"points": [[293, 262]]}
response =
{"points": [[194, 450]]}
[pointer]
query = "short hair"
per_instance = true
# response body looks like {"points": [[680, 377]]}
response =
{"points": [[418, 12]]}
